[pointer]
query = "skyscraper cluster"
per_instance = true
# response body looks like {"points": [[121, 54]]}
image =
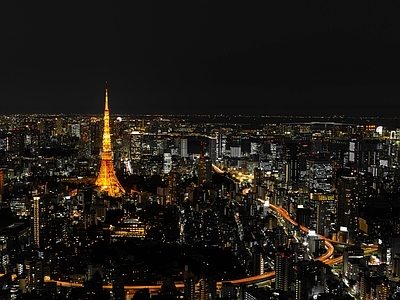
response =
{"points": [[165, 207]]}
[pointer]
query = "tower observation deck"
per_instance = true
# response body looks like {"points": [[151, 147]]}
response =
{"points": [[106, 179]]}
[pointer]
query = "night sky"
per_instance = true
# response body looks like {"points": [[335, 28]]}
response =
{"points": [[213, 57]]}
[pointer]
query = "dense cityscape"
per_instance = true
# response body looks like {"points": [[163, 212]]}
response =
{"points": [[199, 207]]}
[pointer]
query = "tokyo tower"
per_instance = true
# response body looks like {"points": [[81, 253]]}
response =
{"points": [[106, 180]]}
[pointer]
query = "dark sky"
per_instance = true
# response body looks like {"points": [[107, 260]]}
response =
{"points": [[298, 57]]}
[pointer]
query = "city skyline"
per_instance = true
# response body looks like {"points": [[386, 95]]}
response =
{"points": [[158, 58], [207, 206]]}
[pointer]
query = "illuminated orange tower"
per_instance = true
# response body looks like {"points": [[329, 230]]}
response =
{"points": [[106, 180]]}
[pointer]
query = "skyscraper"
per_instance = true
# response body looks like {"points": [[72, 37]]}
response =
{"points": [[41, 221], [258, 260], [184, 147], [347, 204], [204, 170], [36, 220], [107, 180], [189, 284], [173, 187], [284, 269], [212, 148]]}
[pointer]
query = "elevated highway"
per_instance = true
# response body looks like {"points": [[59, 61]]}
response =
{"points": [[326, 258]]}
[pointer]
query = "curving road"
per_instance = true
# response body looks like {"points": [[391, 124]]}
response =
{"points": [[326, 258], [328, 244], [217, 170]]}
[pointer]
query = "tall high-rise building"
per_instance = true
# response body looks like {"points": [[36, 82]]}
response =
{"points": [[184, 147], [207, 287], [136, 140], [189, 284], [18, 141], [284, 269], [293, 156], [303, 282], [41, 221], [35, 273], [213, 149], [347, 204], [167, 165], [258, 260], [36, 220], [324, 208], [173, 187], [319, 173], [95, 136], [258, 176], [86, 145], [58, 127], [221, 145], [204, 170], [351, 254], [107, 180]]}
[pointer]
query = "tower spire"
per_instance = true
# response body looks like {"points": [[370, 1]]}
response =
{"points": [[107, 180], [106, 97]]}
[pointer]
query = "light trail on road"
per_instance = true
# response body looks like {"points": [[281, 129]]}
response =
{"points": [[330, 249], [218, 170], [325, 258], [248, 280]]}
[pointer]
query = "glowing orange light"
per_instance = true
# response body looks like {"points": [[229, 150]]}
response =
{"points": [[107, 180]]}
